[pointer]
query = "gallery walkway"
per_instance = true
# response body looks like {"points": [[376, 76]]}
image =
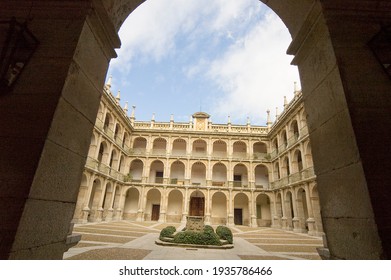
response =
{"points": [[124, 240]]}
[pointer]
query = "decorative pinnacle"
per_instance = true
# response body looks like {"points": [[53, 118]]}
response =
{"points": [[229, 119], [269, 121], [118, 97], [133, 111], [126, 107], [171, 118], [153, 117], [108, 84], [285, 102], [277, 112]]}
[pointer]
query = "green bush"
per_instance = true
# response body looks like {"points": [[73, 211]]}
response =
{"points": [[206, 237], [167, 232], [224, 233], [208, 228]]}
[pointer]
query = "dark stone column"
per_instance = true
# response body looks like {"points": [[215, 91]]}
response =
{"points": [[346, 96], [46, 123]]}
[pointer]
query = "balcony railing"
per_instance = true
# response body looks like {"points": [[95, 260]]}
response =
{"points": [[104, 169], [294, 178], [218, 184], [159, 152], [159, 180]]}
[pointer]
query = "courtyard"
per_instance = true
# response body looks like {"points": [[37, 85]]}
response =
{"points": [[126, 240]]}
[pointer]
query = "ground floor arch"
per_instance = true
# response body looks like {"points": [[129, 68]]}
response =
{"points": [[174, 206], [153, 205], [94, 206], [241, 210], [219, 209], [131, 204], [263, 210]]}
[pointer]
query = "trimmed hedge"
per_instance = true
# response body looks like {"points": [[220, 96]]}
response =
{"points": [[225, 233], [167, 232], [206, 237]]}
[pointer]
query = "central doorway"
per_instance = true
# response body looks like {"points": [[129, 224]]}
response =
{"points": [[197, 206]]}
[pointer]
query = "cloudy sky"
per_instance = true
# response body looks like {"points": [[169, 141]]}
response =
{"points": [[223, 57]]}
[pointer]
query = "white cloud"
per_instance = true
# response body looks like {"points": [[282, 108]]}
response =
{"points": [[254, 73], [150, 30]]}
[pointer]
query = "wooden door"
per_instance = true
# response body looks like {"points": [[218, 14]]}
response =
{"points": [[238, 216], [197, 206], [155, 212]]}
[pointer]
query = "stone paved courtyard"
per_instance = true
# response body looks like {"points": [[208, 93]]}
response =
{"points": [[124, 240]]}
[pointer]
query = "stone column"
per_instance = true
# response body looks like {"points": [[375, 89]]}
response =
{"points": [[310, 221], [185, 209], [284, 218], [163, 206], [349, 133], [231, 210], [253, 210], [54, 102], [208, 207]]}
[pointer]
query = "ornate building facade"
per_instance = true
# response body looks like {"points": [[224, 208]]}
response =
{"points": [[229, 174]]}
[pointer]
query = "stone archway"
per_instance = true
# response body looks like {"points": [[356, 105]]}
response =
{"points": [[327, 37], [263, 211], [131, 204], [174, 206], [241, 210], [219, 209]]}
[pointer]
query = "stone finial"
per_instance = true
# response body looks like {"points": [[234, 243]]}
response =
{"points": [[126, 107], [153, 117], [277, 115], [269, 121], [229, 119], [133, 112], [171, 118], [108, 83], [118, 97], [248, 120], [132, 117], [285, 102]]}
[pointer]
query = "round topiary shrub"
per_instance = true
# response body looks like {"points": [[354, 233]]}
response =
{"points": [[167, 232], [225, 233], [208, 228]]}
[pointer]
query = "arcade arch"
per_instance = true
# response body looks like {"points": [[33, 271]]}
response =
{"points": [[241, 210], [156, 173], [177, 173], [179, 147], [198, 173], [219, 174], [263, 211], [136, 170], [131, 204], [219, 209], [174, 206], [153, 205]]}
